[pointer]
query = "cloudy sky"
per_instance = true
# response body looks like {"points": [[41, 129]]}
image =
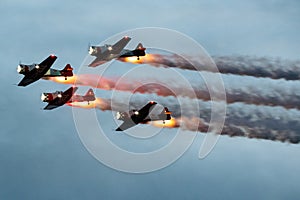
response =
{"points": [[41, 155]]}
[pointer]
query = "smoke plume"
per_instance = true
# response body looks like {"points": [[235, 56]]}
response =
{"points": [[265, 122], [274, 68], [249, 90]]}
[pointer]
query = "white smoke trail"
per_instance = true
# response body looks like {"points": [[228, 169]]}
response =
{"points": [[272, 123], [274, 68], [250, 90]]}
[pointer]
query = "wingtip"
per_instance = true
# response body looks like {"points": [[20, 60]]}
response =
{"points": [[22, 85], [127, 37], [91, 65], [53, 56]]}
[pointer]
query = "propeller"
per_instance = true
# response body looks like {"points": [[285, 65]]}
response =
{"points": [[89, 45]]}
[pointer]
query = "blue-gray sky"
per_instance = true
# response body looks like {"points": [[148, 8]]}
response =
{"points": [[41, 155]]}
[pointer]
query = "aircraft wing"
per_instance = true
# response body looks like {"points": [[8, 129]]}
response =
{"points": [[116, 49], [98, 61], [57, 102], [27, 80], [48, 62], [37, 73], [143, 113], [51, 106], [126, 125], [120, 45]]}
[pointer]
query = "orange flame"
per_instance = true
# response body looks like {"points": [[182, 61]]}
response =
{"points": [[85, 104], [59, 79], [172, 123], [92, 80], [148, 58]]}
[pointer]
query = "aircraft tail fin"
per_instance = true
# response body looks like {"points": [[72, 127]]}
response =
{"points": [[68, 68], [168, 113], [67, 71], [140, 47], [90, 93]]}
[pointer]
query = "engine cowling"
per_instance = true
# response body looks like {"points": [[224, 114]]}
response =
{"points": [[47, 97], [122, 115], [23, 69], [94, 50]]}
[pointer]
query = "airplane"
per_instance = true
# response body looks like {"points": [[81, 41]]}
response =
{"points": [[35, 72], [60, 98], [141, 116], [108, 52]]}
